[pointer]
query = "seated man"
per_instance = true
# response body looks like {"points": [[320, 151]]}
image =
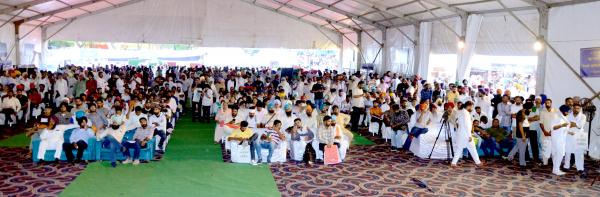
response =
{"points": [[159, 123], [498, 136], [111, 138], [63, 115], [269, 140], [302, 136], [397, 119], [142, 135], [78, 140], [244, 134], [10, 107], [328, 135], [51, 138], [423, 121]]}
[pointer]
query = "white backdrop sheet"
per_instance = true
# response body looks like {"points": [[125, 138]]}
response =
{"points": [[570, 29]]}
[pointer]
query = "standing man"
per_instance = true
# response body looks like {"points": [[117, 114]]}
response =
{"points": [[358, 105], [504, 113], [318, 90], [207, 101], [547, 115], [560, 125], [576, 139], [464, 137], [196, 97]]}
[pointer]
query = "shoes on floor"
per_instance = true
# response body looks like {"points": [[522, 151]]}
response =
{"points": [[127, 161], [558, 173], [136, 162]]}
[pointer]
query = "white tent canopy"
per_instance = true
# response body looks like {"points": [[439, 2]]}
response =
{"points": [[394, 35]]}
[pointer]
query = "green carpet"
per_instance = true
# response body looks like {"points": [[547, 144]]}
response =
{"points": [[16, 141], [361, 140], [192, 166]]}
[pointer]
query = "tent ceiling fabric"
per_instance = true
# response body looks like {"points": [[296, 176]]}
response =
{"points": [[382, 13]]}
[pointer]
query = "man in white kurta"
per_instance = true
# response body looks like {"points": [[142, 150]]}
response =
{"points": [[547, 115], [576, 139], [560, 125], [463, 134], [52, 138]]}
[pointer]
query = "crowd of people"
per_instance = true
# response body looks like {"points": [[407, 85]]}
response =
{"points": [[305, 112], [101, 102]]}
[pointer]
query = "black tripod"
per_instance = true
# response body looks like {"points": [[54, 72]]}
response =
{"points": [[450, 148]]}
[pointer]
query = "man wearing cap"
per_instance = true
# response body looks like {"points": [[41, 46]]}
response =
{"points": [[560, 125]]}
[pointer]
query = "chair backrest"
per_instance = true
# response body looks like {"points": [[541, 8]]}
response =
{"points": [[129, 134], [67, 135]]}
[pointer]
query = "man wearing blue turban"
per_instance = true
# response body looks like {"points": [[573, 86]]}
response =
{"points": [[560, 124]]}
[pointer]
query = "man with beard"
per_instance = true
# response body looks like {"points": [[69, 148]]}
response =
{"points": [[79, 105], [78, 140], [423, 120], [301, 139], [397, 119], [576, 139], [111, 138], [142, 135], [99, 121], [272, 114], [159, 122], [51, 138], [560, 125], [523, 133], [328, 135], [269, 140], [464, 137], [547, 115], [252, 120], [287, 119]]}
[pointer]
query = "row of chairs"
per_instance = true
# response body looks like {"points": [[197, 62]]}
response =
{"points": [[95, 151]]}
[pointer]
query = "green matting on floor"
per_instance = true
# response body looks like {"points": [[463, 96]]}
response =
{"points": [[361, 140], [192, 166], [16, 141]]}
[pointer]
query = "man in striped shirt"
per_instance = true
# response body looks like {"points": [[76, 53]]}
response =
{"points": [[269, 140]]}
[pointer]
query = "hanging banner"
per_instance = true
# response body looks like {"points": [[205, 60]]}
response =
{"points": [[590, 62]]}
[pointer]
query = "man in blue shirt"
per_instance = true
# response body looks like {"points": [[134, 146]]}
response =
{"points": [[78, 140], [427, 93]]}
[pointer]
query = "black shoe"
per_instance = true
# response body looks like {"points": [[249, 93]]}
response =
{"points": [[41, 162], [113, 164], [56, 161], [77, 161], [582, 174]]}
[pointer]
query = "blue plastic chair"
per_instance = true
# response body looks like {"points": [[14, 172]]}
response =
{"points": [[147, 153], [88, 154]]}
